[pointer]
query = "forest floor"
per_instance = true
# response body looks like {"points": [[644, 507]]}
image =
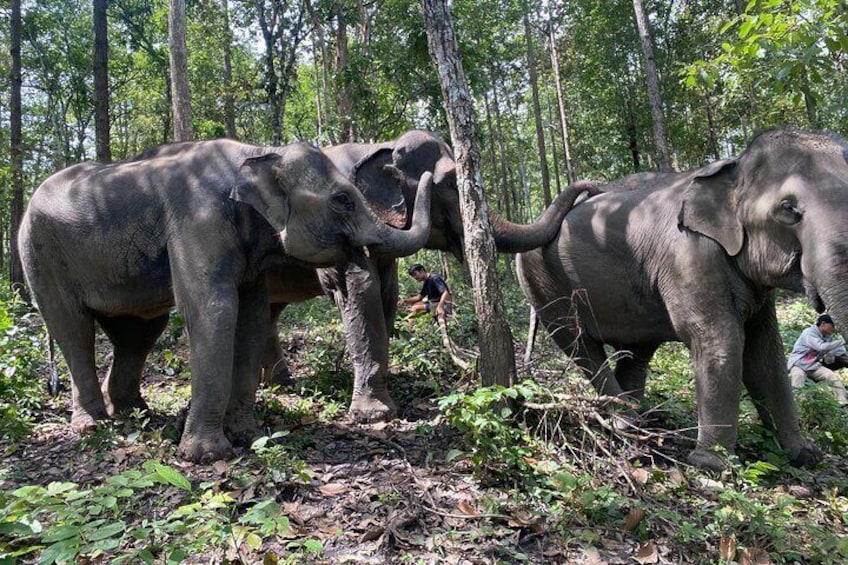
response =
{"points": [[404, 491]]}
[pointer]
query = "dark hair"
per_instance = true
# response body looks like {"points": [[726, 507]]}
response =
{"points": [[824, 319], [416, 268]]}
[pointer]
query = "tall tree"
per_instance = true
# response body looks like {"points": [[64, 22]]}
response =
{"points": [[497, 354], [229, 97], [654, 94], [180, 97], [537, 108], [16, 273], [101, 83]]}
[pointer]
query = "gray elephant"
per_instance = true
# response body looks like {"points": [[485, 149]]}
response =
{"points": [[199, 226], [366, 292], [695, 257]]}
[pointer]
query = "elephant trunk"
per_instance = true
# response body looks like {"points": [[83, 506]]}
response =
{"points": [[826, 271], [400, 243], [518, 238]]}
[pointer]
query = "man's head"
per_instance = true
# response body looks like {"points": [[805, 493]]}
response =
{"points": [[418, 272], [825, 324]]}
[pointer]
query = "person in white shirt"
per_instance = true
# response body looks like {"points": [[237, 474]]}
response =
{"points": [[816, 348]]}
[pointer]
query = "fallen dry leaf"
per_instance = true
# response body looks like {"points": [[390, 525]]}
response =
{"points": [[640, 475], [676, 477], [727, 548], [592, 557], [221, 467], [119, 455], [333, 489], [467, 509], [647, 553], [634, 517], [753, 556], [372, 535]]}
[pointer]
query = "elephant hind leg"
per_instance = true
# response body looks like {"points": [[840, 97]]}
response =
{"points": [[275, 370], [133, 339], [73, 329]]}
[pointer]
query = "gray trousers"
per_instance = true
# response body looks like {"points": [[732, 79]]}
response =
{"points": [[799, 376]]}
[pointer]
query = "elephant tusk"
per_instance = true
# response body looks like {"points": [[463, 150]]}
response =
{"points": [[366, 252]]}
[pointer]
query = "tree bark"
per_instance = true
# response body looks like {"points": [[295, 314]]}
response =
{"points": [[537, 110], [496, 364], [180, 98], [229, 97], [16, 273], [102, 127], [566, 144], [654, 95]]}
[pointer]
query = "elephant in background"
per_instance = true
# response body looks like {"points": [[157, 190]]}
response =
{"points": [[197, 225], [695, 257], [366, 292]]}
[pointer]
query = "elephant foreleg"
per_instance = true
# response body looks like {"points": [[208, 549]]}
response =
{"points": [[764, 375], [367, 340], [253, 320], [133, 338]]}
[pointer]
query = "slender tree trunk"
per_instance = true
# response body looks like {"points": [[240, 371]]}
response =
{"points": [[654, 95], [563, 122], [180, 98], [101, 83], [509, 195], [272, 89], [323, 96], [229, 97], [344, 96], [537, 110], [16, 273], [554, 154], [497, 354]]}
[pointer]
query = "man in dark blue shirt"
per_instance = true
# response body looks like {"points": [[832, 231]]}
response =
{"points": [[434, 289]]}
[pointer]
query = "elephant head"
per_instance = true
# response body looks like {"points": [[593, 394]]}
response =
{"points": [[325, 217], [388, 176], [780, 208]]}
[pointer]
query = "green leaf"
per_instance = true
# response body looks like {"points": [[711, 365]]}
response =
{"points": [[60, 533], [63, 551], [453, 454], [106, 531], [168, 475], [177, 556]]}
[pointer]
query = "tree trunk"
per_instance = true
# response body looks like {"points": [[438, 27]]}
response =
{"points": [[16, 273], [497, 354], [566, 145], [537, 110], [229, 98], [101, 83], [180, 99], [654, 95], [554, 154], [344, 97], [270, 36]]}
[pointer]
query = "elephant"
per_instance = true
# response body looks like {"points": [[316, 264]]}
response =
{"points": [[366, 292], [196, 225], [696, 257]]}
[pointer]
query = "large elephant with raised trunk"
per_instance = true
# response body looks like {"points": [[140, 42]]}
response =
{"points": [[696, 257], [199, 225], [366, 292]]}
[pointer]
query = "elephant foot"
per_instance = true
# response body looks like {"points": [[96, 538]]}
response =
{"points": [[366, 409], [118, 405], [84, 421], [706, 459], [205, 448], [242, 427], [806, 455], [627, 420]]}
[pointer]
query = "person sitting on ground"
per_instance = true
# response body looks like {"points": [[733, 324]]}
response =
{"points": [[817, 348], [434, 289]]}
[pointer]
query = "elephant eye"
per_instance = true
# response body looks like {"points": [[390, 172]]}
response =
{"points": [[342, 202], [788, 213]]}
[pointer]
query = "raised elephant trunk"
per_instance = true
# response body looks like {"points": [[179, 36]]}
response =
{"points": [[518, 238], [401, 243]]}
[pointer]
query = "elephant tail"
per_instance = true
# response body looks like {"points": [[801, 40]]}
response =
{"points": [[54, 385]]}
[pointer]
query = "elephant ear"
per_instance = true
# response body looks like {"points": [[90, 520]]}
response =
{"points": [[710, 206], [261, 186], [382, 185]]}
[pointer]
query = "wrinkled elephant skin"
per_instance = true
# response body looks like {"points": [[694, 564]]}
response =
{"points": [[196, 225], [695, 257]]}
